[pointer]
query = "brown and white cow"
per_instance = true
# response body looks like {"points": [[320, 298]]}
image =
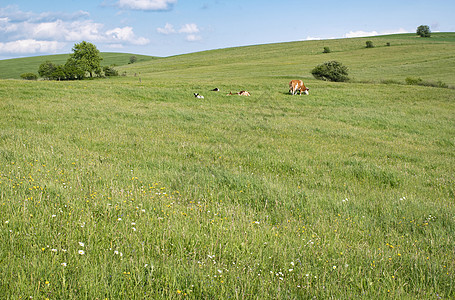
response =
{"points": [[241, 93], [297, 85]]}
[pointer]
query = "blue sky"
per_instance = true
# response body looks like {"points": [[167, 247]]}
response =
{"points": [[170, 27]]}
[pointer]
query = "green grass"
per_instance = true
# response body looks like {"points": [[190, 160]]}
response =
{"points": [[13, 68], [345, 193]]}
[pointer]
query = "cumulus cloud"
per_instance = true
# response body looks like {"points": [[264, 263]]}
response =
{"points": [[193, 38], [125, 34], [359, 33], [167, 29], [189, 29], [31, 46], [146, 4], [30, 33]]}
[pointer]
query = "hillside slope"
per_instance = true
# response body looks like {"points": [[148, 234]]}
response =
{"points": [[429, 58]]}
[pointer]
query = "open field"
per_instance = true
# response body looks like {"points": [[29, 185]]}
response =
{"points": [[130, 188]]}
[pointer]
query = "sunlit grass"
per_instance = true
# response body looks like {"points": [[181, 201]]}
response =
{"points": [[128, 189]]}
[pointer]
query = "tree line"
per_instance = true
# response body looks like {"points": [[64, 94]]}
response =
{"points": [[85, 61]]}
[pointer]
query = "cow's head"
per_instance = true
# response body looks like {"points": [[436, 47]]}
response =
{"points": [[305, 91]]}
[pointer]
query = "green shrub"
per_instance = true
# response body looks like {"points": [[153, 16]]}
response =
{"points": [[413, 80], [326, 50], [331, 71], [110, 71], [369, 44], [29, 76]]}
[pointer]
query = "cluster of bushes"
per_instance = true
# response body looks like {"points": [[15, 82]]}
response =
{"points": [[71, 71], [420, 81], [85, 61]]}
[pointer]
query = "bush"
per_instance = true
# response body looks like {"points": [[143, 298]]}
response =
{"points": [[388, 44], [110, 71], [326, 50], [413, 80], [29, 76], [331, 71], [369, 44]]}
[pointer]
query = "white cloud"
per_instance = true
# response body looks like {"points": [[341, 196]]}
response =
{"points": [[28, 36], [31, 46], [189, 28], [146, 4], [125, 34], [167, 29], [359, 33], [193, 38]]}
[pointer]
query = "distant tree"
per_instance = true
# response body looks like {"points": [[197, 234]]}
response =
{"points": [[331, 71], [87, 57], [369, 44], [326, 50], [133, 59], [29, 76], [423, 31], [46, 69]]}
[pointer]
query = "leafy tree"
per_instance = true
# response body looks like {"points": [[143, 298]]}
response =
{"points": [[87, 57], [72, 71], [46, 69], [59, 73], [331, 71], [423, 31], [369, 44], [133, 59]]}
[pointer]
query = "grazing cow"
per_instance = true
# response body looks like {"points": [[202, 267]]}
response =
{"points": [[241, 93], [297, 85], [198, 96], [215, 90]]}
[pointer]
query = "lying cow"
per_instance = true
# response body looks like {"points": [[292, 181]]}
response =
{"points": [[241, 93], [297, 85]]}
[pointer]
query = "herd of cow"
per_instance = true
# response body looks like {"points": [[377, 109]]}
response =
{"points": [[294, 87]]}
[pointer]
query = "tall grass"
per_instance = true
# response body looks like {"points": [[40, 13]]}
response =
{"points": [[123, 188]]}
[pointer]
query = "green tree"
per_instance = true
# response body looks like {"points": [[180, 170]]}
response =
{"points": [[423, 31], [87, 57], [72, 71], [46, 69]]}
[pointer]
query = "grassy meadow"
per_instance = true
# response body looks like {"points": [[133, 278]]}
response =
{"points": [[131, 188]]}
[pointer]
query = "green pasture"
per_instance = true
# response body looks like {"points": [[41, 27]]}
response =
{"points": [[131, 188]]}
